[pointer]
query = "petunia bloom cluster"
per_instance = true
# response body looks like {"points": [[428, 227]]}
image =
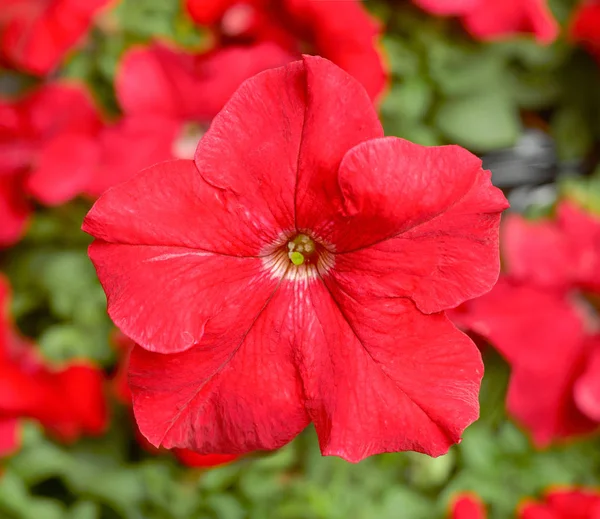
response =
{"points": [[541, 318], [561, 503], [68, 401], [499, 19], [296, 271]]}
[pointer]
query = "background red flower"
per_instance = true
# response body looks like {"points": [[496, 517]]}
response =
{"points": [[341, 31], [48, 151], [68, 401], [493, 19], [35, 35]]}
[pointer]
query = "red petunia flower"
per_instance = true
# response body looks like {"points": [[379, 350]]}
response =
{"points": [[297, 270], [494, 19], [341, 31], [67, 402], [585, 27], [564, 504], [467, 506], [169, 98], [535, 317], [47, 152], [123, 394], [35, 35]]}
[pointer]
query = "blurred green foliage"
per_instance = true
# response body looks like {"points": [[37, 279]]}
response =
{"points": [[445, 88]]}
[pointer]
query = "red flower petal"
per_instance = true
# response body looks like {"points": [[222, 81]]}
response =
{"points": [[159, 81], [206, 405], [379, 376], [586, 26], [346, 34], [36, 34], [133, 144], [68, 402], [542, 336], [14, 210], [9, 436], [537, 252], [564, 504], [468, 507], [207, 12], [447, 7], [587, 387], [417, 248], [65, 167], [492, 19], [582, 232], [355, 121], [193, 459]]}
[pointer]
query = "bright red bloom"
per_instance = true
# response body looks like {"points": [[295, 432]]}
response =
{"points": [[564, 504], [496, 19], [122, 392], [585, 28], [68, 402], [47, 151], [341, 31], [538, 321], [467, 506], [35, 35], [169, 98], [275, 280]]}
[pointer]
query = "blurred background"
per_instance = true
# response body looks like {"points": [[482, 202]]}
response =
{"points": [[92, 91]]}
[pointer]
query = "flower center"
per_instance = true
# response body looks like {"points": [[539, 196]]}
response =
{"points": [[301, 249], [298, 257]]}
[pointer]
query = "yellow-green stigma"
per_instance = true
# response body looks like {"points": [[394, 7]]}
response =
{"points": [[301, 249]]}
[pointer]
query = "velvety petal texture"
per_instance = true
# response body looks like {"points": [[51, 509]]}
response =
{"points": [[253, 277]]}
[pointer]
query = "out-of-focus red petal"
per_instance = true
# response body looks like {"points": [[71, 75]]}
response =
{"points": [[65, 166], [491, 20], [193, 459], [133, 144], [585, 27], [61, 107], [236, 392], [208, 12], [564, 504], [582, 231], [14, 210], [439, 246], [447, 7], [537, 252], [379, 376], [587, 387], [186, 86], [80, 387], [36, 34], [345, 33], [468, 507], [541, 334], [9, 436]]}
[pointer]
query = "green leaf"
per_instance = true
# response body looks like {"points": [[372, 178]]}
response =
{"points": [[482, 122], [571, 133]]}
